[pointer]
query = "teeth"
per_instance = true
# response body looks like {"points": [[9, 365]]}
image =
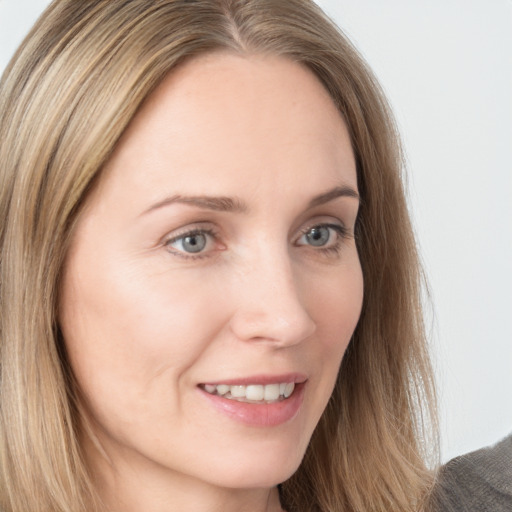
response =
{"points": [[288, 390], [253, 392], [271, 392], [221, 390], [238, 391]]}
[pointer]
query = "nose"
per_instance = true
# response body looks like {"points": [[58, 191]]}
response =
{"points": [[269, 306]]}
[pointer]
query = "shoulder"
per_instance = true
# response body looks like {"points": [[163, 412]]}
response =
{"points": [[480, 481]]}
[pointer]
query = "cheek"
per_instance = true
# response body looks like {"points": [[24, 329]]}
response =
{"points": [[128, 330], [131, 344], [336, 307]]}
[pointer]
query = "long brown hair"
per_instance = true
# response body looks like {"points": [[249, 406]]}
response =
{"points": [[65, 100]]}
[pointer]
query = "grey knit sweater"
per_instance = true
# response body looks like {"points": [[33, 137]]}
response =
{"points": [[480, 481]]}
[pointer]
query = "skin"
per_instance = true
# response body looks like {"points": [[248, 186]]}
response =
{"points": [[145, 323]]}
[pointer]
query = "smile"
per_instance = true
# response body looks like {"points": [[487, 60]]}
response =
{"points": [[252, 393]]}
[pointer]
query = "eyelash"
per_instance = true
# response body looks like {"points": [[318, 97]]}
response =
{"points": [[341, 233]]}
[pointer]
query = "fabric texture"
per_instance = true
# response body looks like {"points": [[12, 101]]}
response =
{"points": [[480, 481]]}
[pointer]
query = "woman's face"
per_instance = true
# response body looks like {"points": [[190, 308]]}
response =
{"points": [[213, 281]]}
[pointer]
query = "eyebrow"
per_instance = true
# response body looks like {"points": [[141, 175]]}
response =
{"points": [[343, 191], [218, 204], [233, 204]]}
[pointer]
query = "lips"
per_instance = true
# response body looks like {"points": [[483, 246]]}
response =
{"points": [[258, 401]]}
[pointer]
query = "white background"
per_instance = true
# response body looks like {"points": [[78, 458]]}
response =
{"points": [[446, 66]]}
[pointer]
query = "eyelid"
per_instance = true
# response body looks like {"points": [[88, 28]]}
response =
{"points": [[339, 228], [325, 220]]}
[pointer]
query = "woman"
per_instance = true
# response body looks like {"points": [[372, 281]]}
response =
{"points": [[194, 193]]}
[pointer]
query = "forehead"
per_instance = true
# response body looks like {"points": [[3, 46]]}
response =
{"points": [[224, 115]]}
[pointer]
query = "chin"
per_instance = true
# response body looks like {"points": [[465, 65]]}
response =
{"points": [[256, 468], [258, 478]]}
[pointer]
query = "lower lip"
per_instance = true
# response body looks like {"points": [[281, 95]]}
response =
{"points": [[259, 415]]}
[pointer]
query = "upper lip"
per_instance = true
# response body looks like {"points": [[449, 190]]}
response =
{"points": [[261, 379]]}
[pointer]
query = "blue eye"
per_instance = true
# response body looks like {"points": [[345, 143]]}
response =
{"points": [[326, 238], [323, 236], [318, 236], [193, 242]]}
